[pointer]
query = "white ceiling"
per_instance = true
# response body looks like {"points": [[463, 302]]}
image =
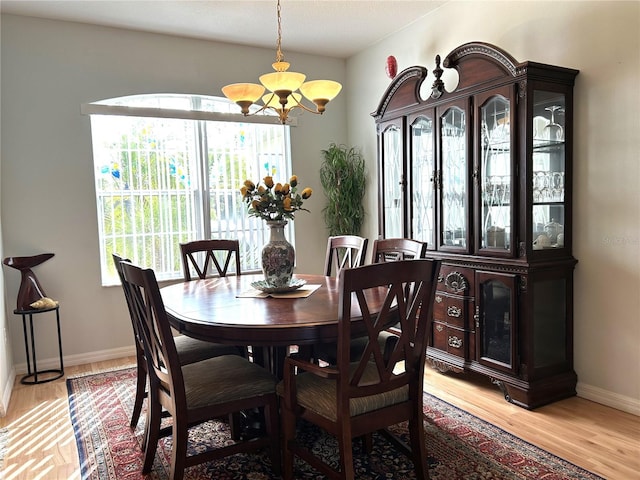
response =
{"points": [[337, 28]]}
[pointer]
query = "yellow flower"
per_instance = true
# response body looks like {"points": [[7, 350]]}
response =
{"points": [[269, 201]]}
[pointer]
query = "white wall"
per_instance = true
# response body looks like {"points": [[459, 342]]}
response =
{"points": [[602, 40], [6, 352], [49, 69]]}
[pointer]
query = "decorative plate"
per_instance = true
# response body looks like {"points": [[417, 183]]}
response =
{"points": [[263, 286]]}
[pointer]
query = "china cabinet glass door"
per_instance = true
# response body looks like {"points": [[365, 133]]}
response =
{"points": [[496, 176], [548, 175], [393, 182], [423, 181], [496, 320], [454, 189]]}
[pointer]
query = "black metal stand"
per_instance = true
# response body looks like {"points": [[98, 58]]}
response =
{"points": [[32, 376]]}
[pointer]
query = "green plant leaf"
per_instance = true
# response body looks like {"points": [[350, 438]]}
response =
{"points": [[343, 178]]}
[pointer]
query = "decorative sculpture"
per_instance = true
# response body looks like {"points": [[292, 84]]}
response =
{"points": [[30, 289]]}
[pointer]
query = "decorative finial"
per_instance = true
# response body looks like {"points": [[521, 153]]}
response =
{"points": [[438, 85], [391, 67]]}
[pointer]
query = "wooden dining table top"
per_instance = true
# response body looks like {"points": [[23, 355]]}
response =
{"points": [[211, 309]]}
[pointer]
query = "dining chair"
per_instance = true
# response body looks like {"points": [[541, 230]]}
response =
{"points": [[344, 251], [198, 392], [209, 257], [357, 397], [384, 250], [190, 350], [205, 255], [391, 249]]}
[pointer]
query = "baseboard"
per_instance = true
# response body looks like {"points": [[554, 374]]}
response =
{"points": [[72, 360], [610, 399], [6, 392]]}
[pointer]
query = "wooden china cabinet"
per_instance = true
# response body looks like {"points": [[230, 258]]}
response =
{"points": [[482, 172]]}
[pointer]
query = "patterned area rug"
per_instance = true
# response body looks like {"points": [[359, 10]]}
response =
{"points": [[460, 446]]}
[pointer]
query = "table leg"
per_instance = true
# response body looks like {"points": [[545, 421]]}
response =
{"points": [[271, 358], [278, 354]]}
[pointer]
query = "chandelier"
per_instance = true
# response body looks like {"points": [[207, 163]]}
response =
{"points": [[283, 89]]}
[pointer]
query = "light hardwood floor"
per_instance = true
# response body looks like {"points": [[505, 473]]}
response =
{"points": [[597, 438]]}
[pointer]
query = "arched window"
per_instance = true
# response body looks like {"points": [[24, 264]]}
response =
{"points": [[168, 169]]}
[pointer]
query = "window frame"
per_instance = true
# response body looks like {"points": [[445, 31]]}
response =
{"points": [[203, 110]]}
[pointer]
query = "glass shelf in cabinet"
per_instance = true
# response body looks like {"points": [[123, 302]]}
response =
{"points": [[550, 146]]}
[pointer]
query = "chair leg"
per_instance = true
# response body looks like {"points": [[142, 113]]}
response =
{"points": [[152, 432], [141, 392], [367, 442], [288, 435], [346, 453], [272, 423], [418, 447], [178, 451], [235, 425]]}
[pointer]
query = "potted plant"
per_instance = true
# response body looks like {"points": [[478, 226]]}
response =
{"points": [[343, 179]]}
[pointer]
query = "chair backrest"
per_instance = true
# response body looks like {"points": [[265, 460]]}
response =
{"points": [[117, 261], [159, 346], [205, 255], [392, 249], [344, 251], [407, 288]]}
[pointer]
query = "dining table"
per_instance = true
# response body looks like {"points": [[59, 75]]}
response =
{"points": [[231, 310]]}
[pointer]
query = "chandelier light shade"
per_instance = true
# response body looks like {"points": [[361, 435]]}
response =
{"points": [[283, 87]]}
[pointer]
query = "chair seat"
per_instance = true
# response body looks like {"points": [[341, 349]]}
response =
{"points": [[327, 351], [192, 350], [319, 394], [235, 378]]}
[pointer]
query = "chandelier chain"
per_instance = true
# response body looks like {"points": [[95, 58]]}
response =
{"points": [[279, 55]]}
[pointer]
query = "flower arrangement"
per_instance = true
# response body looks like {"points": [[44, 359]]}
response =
{"points": [[274, 201]]}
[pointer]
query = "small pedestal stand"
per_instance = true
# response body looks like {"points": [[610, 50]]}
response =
{"points": [[31, 377], [29, 292]]}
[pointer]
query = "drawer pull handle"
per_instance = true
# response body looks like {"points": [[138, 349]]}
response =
{"points": [[454, 311], [455, 342]]}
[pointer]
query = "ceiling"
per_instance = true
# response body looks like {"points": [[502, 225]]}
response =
{"points": [[336, 28]]}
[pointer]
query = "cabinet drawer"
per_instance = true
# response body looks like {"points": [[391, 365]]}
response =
{"points": [[451, 340], [450, 310], [456, 280]]}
